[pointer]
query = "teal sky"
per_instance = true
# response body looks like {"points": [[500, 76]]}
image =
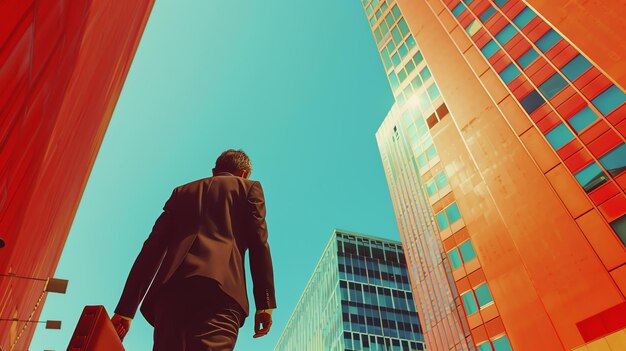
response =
{"points": [[298, 85]]}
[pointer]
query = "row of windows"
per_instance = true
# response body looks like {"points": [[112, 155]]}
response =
{"points": [[397, 78], [371, 249], [477, 298], [448, 216], [376, 295], [377, 311], [360, 275], [462, 254], [361, 342], [373, 265]]}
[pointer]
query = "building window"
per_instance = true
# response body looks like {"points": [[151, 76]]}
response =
{"points": [[502, 344], [425, 74], [483, 295], [431, 188], [559, 136], [433, 92], [524, 17], [591, 177], [615, 160], [506, 34], [532, 101], [455, 258], [469, 302], [609, 100], [487, 14], [528, 58], [553, 85], [473, 27], [453, 213], [458, 9], [441, 179], [509, 73], [619, 226], [486, 346], [490, 48], [548, 40], [442, 221], [467, 251], [576, 67], [583, 119]]}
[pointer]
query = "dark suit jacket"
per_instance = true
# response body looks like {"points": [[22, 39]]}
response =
{"points": [[215, 220]]}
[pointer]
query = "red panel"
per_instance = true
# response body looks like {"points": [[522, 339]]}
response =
{"points": [[563, 96], [524, 89], [517, 38], [564, 56], [542, 75], [501, 64], [536, 66], [596, 86], [604, 323], [497, 56], [465, 18], [532, 25], [604, 143], [497, 25], [494, 327], [537, 32], [603, 193], [514, 10], [591, 133], [479, 6], [509, 5], [586, 77], [556, 49], [481, 38], [480, 334], [548, 122], [516, 82], [617, 116], [579, 160], [541, 112], [495, 20], [621, 128], [519, 49], [571, 106], [614, 208], [569, 149]]}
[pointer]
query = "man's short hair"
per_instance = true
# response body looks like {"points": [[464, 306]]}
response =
{"points": [[233, 161]]}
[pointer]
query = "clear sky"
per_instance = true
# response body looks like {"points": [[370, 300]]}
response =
{"points": [[298, 85]]}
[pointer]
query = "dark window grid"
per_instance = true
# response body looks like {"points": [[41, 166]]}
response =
{"points": [[588, 101]]}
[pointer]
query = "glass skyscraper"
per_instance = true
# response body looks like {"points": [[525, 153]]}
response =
{"points": [[358, 298], [505, 157]]}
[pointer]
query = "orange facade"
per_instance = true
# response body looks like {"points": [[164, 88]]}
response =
{"points": [[62, 67], [531, 141]]}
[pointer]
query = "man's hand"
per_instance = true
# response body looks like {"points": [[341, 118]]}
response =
{"points": [[264, 318], [121, 325]]}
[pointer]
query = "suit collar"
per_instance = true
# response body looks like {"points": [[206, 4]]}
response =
{"points": [[224, 174]]}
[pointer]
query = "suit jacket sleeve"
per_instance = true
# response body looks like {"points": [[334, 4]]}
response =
{"points": [[147, 262], [260, 257]]}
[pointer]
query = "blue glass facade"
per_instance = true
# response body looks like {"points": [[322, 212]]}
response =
{"points": [[359, 298]]}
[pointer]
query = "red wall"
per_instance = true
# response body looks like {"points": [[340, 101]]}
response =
{"points": [[62, 67]]}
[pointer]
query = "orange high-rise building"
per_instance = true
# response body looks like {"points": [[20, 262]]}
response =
{"points": [[505, 156], [62, 67]]}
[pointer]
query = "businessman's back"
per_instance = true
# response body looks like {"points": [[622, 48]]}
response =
{"points": [[196, 249]]}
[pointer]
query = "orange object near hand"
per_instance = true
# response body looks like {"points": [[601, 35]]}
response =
{"points": [[95, 332]]}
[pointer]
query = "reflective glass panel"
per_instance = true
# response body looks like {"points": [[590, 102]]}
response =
{"points": [[455, 258], [483, 295], [524, 17], [547, 41], [490, 48], [502, 344], [487, 14], [609, 100], [552, 86], [532, 101], [576, 67], [469, 303], [509, 73], [506, 34], [583, 119], [453, 213], [591, 177], [467, 251], [619, 226], [528, 58], [559, 136], [615, 160], [442, 221]]}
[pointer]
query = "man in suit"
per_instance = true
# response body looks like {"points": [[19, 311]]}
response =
{"points": [[192, 264]]}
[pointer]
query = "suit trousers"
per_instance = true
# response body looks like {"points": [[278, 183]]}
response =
{"points": [[194, 314]]}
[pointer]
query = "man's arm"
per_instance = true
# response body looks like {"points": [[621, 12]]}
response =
{"points": [[147, 263], [260, 259]]}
